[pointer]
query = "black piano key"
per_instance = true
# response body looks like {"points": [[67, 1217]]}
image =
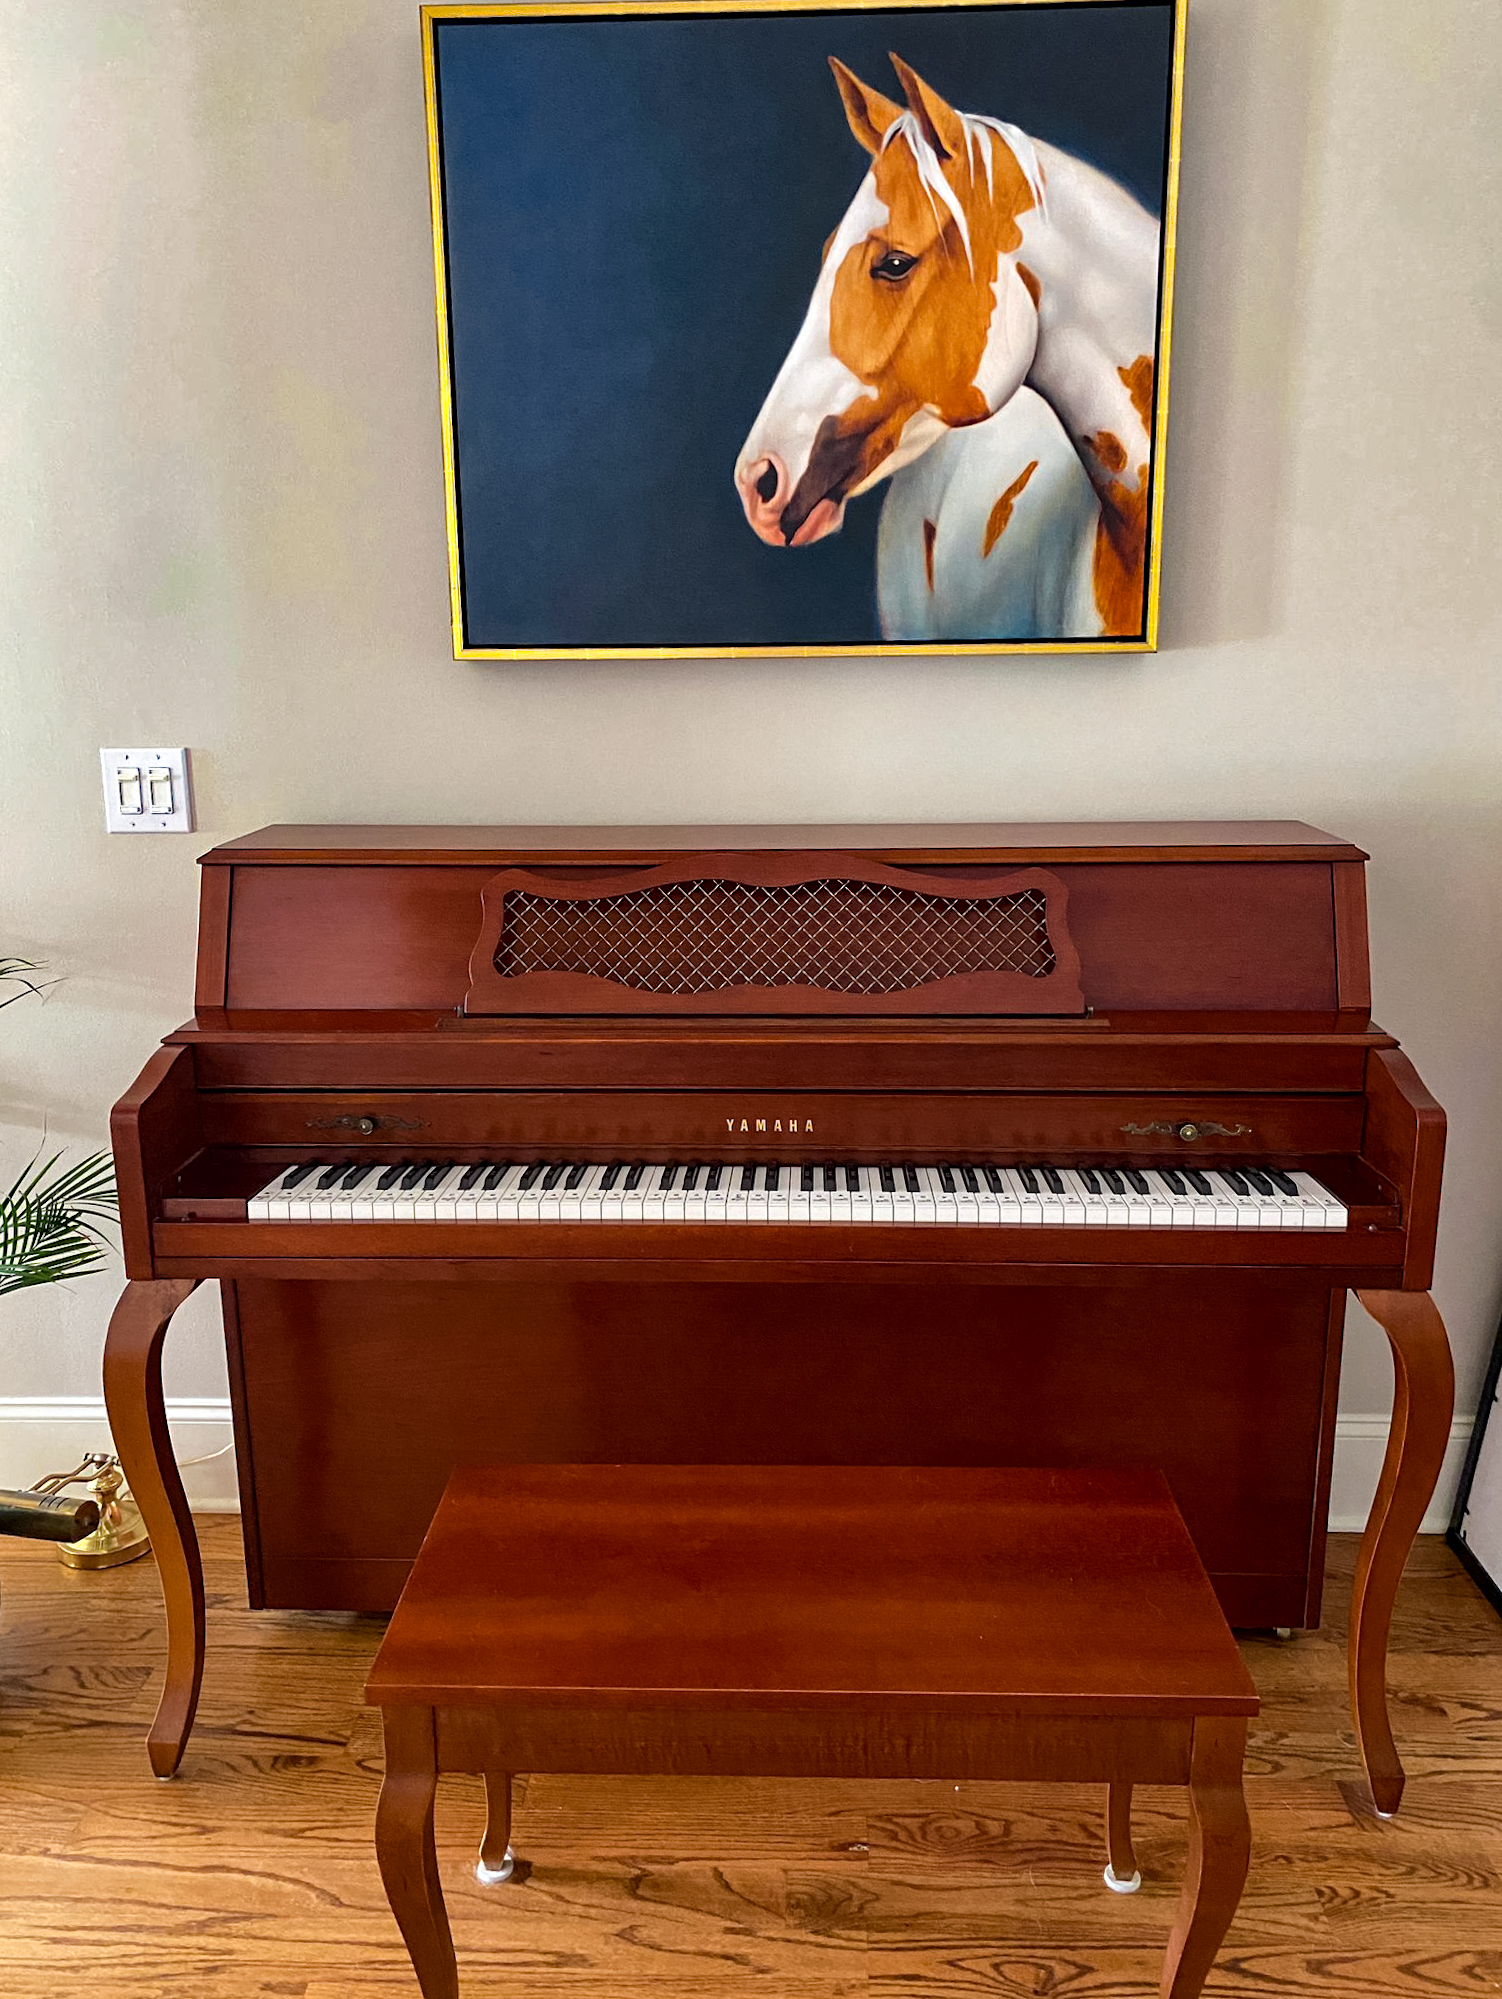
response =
{"points": [[1284, 1182], [1115, 1182], [298, 1174], [748, 1179], [712, 1179], [771, 1179], [666, 1179], [633, 1177], [888, 1180], [532, 1175], [1087, 1174], [576, 1176], [852, 1179], [412, 1174], [1234, 1180], [1028, 1178], [806, 1180], [1138, 1182], [1258, 1179], [968, 1175], [831, 1180], [354, 1176], [691, 1178], [471, 1177], [437, 1175], [390, 1177], [1052, 1176], [330, 1174], [994, 1179], [946, 1179], [496, 1174], [1197, 1180], [611, 1174], [911, 1181], [553, 1175], [1171, 1180]]}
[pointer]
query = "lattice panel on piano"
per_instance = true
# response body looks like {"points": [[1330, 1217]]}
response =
{"points": [[841, 936]]}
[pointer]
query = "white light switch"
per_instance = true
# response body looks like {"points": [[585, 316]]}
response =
{"points": [[147, 791]]}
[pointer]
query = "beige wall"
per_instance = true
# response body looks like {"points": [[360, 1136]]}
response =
{"points": [[223, 526]]}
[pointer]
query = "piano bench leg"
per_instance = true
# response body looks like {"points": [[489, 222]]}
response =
{"points": [[1121, 1876], [496, 1860]]}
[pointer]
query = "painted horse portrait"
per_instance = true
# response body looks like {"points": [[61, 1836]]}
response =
{"points": [[982, 336]]}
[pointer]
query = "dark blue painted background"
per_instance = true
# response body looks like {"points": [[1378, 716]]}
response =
{"points": [[635, 210]]}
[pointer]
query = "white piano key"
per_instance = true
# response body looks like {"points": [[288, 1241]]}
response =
{"points": [[1073, 1198], [1029, 1200], [1328, 1212], [270, 1203], [946, 1205], [883, 1198], [1095, 1211], [925, 1202]]}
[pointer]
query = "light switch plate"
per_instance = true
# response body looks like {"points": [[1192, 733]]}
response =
{"points": [[147, 791]]}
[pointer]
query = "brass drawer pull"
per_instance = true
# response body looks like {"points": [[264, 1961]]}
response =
{"points": [[1188, 1132]]}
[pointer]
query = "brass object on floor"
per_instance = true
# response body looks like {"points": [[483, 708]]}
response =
{"points": [[121, 1534]]}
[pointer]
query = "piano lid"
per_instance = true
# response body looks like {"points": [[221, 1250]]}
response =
{"points": [[1019, 844]]}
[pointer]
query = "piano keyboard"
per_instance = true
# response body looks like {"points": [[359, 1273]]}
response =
{"points": [[1160, 1197]]}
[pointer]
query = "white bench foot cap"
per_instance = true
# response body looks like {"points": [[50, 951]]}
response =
{"points": [[1119, 1887], [492, 1877]]}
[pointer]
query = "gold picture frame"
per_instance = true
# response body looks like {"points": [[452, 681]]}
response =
{"points": [[454, 150]]}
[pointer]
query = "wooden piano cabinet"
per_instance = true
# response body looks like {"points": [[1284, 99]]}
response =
{"points": [[356, 1402]]}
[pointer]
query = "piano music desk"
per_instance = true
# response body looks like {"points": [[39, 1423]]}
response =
{"points": [[812, 1621]]}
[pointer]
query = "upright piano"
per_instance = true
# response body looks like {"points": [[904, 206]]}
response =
{"points": [[1034, 1145]]}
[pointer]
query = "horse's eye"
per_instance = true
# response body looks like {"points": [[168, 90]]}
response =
{"points": [[893, 267]]}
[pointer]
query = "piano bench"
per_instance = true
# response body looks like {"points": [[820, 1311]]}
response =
{"points": [[811, 1621]]}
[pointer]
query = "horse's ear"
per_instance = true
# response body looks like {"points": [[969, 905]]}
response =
{"points": [[939, 122], [870, 113]]}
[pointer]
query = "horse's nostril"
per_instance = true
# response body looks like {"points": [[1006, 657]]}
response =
{"points": [[766, 485]]}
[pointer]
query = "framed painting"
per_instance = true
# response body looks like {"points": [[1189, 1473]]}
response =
{"points": [[799, 327]]}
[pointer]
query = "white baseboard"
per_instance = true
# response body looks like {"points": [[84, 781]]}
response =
{"points": [[39, 1436], [50, 1434], [1360, 1442]]}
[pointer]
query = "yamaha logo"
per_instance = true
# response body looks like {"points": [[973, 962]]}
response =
{"points": [[774, 1124]]}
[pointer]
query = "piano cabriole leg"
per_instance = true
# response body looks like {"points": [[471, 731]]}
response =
{"points": [[138, 1421], [1423, 1404]]}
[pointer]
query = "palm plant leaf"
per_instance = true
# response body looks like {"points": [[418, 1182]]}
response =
{"points": [[50, 1220], [14, 971]]}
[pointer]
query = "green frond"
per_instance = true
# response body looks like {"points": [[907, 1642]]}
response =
{"points": [[50, 1220], [13, 971]]}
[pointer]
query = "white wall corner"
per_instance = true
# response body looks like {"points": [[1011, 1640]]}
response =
{"points": [[40, 1435]]}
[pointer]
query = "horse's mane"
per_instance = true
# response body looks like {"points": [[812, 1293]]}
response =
{"points": [[979, 132]]}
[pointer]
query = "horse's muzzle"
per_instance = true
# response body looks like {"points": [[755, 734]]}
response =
{"points": [[764, 485]]}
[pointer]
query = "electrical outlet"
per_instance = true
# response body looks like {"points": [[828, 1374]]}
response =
{"points": [[147, 791]]}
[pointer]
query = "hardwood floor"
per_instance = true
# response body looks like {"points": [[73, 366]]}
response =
{"points": [[253, 1873]]}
